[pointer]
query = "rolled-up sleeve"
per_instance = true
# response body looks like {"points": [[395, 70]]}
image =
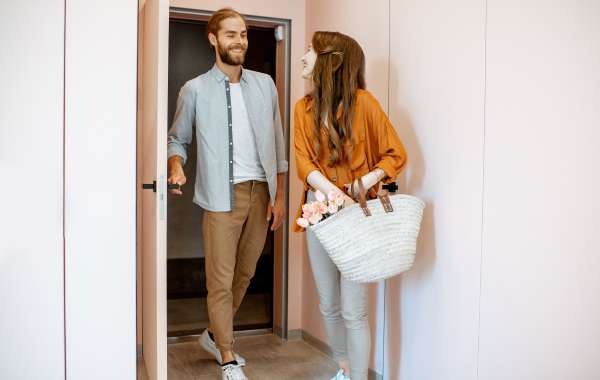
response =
{"points": [[304, 161], [181, 131], [390, 153], [282, 163]]}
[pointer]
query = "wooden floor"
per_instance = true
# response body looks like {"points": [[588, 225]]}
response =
{"points": [[267, 356]]}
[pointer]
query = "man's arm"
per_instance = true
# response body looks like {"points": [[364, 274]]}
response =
{"points": [[276, 208], [176, 174], [180, 136], [282, 164]]}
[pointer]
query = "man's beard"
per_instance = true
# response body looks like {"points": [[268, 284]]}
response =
{"points": [[229, 59]]}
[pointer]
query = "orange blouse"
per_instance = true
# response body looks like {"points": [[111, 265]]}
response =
{"points": [[376, 145]]}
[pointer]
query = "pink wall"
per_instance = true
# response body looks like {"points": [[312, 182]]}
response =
{"points": [[295, 11], [540, 309], [436, 102]]}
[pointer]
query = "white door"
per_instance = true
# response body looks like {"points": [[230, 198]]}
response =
{"points": [[154, 24]]}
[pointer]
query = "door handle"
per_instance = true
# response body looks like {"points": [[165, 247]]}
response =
{"points": [[152, 186]]}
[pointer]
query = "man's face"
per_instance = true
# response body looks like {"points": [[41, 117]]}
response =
{"points": [[232, 41]]}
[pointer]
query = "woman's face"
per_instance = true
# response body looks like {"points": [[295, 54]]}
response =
{"points": [[308, 62]]}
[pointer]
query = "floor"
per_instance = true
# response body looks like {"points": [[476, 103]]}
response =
{"points": [[190, 314], [268, 359]]}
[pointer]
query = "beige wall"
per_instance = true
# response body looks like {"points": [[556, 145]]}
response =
{"points": [[295, 11]]}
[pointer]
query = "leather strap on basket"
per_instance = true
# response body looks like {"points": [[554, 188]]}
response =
{"points": [[362, 195], [362, 198], [385, 201]]}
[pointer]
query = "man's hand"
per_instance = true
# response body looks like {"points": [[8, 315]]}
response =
{"points": [[176, 174], [276, 212]]}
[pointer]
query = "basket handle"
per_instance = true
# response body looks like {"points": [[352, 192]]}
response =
{"points": [[362, 198], [383, 197]]}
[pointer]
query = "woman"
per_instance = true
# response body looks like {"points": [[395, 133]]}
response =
{"points": [[341, 133]]}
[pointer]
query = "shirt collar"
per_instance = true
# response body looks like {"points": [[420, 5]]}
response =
{"points": [[221, 76]]}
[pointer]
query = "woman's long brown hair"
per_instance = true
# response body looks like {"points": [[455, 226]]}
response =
{"points": [[337, 75]]}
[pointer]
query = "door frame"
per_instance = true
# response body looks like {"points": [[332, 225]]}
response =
{"points": [[282, 83]]}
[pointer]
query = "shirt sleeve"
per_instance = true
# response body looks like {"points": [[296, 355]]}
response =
{"points": [[181, 131], [390, 153], [304, 161], [282, 164]]}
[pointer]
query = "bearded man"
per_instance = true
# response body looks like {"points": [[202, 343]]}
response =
{"points": [[240, 174]]}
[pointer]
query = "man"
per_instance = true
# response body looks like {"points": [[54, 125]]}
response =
{"points": [[240, 174]]}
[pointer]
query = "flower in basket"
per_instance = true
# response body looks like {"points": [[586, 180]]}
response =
{"points": [[322, 208]]}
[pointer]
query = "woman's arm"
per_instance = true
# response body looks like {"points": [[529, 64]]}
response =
{"points": [[388, 148], [318, 181]]}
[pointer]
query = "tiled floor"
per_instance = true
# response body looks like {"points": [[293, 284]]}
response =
{"points": [[268, 359]]}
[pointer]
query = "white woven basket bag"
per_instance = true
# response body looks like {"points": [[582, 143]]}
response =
{"points": [[373, 240]]}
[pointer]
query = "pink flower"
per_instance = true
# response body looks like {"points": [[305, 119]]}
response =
{"points": [[313, 207], [320, 196], [333, 195], [315, 218], [332, 208], [306, 208], [321, 208], [302, 222]]}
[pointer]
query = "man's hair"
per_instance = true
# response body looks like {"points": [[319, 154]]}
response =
{"points": [[214, 23]]}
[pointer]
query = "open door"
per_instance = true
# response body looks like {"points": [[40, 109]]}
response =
{"points": [[152, 164]]}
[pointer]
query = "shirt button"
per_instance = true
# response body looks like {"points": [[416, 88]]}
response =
{"points": [[231, 162], [230, 143], [228, 106], [230, 124]]}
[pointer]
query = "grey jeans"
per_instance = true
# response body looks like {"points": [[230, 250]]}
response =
{"points": [[344, 308]]}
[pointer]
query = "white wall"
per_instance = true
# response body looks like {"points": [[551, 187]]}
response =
{"points": [[101, 58], [31, 189], [540, 308]]}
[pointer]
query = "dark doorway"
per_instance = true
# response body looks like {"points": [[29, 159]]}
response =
{"points": [[190, 56]]}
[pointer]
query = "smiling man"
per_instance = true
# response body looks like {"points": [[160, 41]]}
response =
{"points": [[240, 174]]}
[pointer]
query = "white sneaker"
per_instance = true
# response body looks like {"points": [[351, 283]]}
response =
{"points": [[210, 347], [339, 376], [233, 372]]}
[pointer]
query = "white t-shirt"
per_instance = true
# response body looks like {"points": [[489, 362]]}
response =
{"points": [[246, 161]]}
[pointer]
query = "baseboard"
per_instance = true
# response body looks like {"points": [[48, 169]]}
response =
{"points": [[294, 334], [324, 348]]}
